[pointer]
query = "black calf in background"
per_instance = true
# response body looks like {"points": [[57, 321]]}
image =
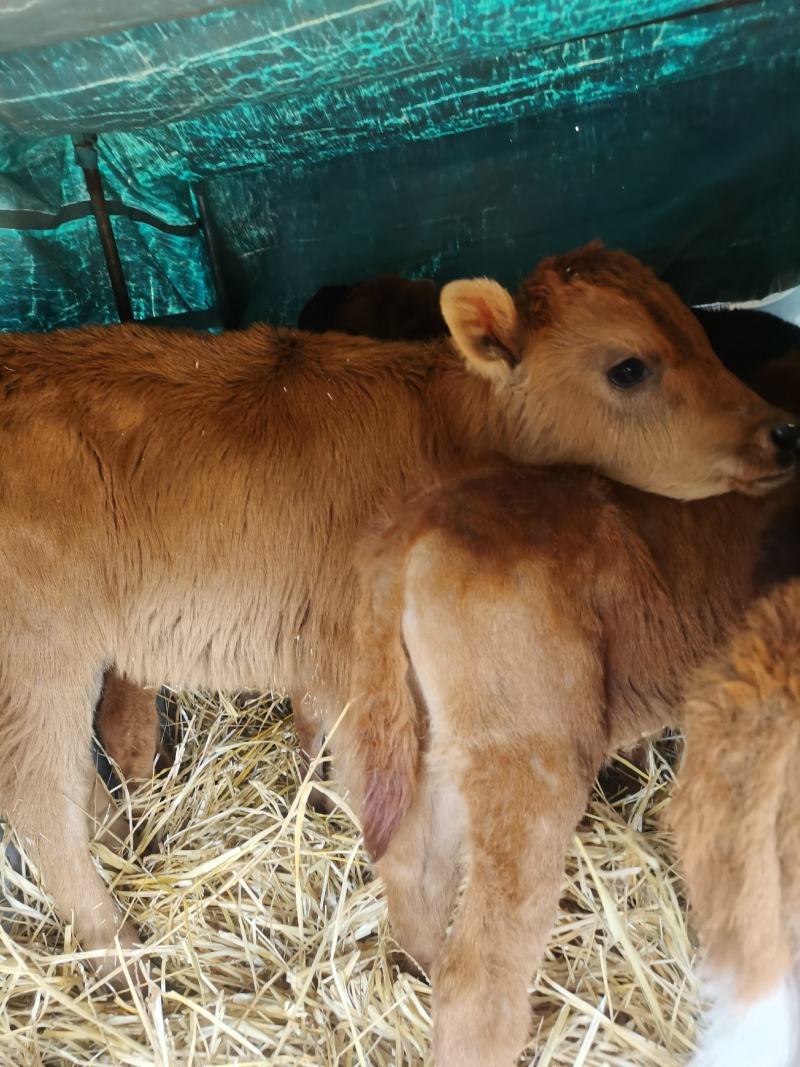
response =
{"points": [[394, 308]]}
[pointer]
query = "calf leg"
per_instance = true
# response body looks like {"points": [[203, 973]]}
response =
{"points": [[737, 829], [128, 727], [519, 817], [46, 781], [310, 727], [514, 694], [310, 731], [420, 869]]}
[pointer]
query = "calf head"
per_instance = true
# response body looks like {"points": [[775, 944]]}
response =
{"points": [[602, 363]]}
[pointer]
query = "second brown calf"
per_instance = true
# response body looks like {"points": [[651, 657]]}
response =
{"points": [[516, 628]]}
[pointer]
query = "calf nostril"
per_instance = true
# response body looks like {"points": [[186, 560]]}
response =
{"points": [[787, 440]]}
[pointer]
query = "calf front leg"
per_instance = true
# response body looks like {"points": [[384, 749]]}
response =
{"points": [[46, 782]]}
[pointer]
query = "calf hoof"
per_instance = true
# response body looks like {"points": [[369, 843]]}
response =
{"points": [[119, 837], [165, 756], [407, 965], [117, 829], [115, 833], [146, 846], [319, 802], [464, 1042], [119, 967]]}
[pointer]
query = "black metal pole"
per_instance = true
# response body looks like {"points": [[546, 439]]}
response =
{"points": [[224, 306], [86, 158]]}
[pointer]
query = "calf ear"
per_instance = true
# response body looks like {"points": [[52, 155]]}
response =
{"points": [[483, 320]]}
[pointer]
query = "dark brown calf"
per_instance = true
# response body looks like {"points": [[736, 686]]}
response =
{"points": [[393, 307], [387, 307]]}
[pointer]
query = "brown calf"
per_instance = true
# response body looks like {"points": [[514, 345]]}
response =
{"points": [[185, 507], [515, 628], [736, 816]]}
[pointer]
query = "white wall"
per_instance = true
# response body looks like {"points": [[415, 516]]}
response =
{"points": [[785, 305]]}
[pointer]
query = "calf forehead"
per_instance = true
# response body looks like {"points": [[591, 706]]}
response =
{"points": [[591, 315], [676, 322], [622, 285], [651, 319]]}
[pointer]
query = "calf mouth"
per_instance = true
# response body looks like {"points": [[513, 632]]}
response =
{"points": [[766, 483]]}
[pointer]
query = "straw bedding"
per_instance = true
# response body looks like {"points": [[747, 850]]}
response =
{"points": [[268, 940]]}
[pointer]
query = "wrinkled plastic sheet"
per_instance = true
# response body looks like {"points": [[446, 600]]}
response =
{"points": [[299, 58], [335, 140]]}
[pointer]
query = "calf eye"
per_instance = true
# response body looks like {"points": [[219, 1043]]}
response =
{"points": [[628, 373]]}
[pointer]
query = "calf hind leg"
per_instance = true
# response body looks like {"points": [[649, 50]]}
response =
{"points": [[516, 729], [518, 825], [420, 869], [311, 738], [737, 828], [128, 728]]}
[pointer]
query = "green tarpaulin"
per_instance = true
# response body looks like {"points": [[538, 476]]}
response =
{"points": [[331, 140]]}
